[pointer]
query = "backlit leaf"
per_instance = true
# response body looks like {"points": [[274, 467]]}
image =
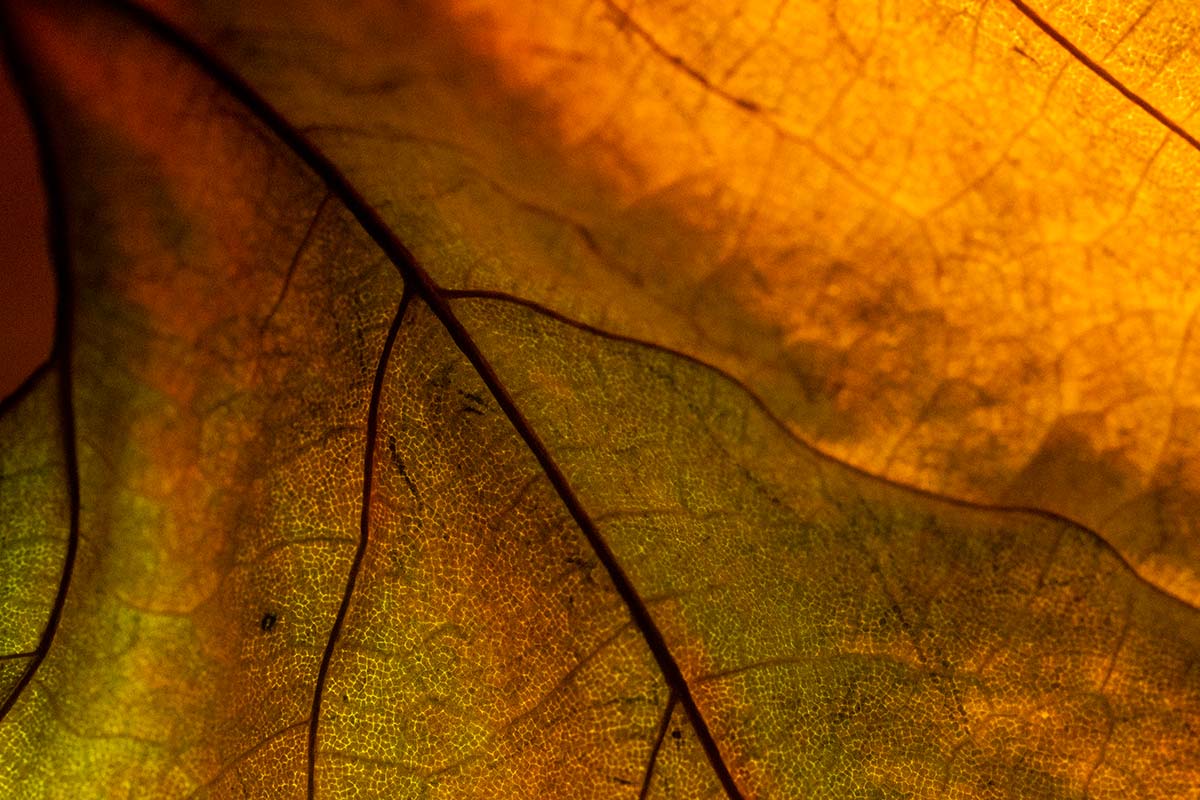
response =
{"points": [[411, 395]]}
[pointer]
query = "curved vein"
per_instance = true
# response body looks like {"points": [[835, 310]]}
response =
{"points": [[314, 720], [764, 408]]}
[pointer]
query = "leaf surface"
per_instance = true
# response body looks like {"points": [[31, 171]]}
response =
{"points": [[33, 501], [944, 245], [378, 495]]}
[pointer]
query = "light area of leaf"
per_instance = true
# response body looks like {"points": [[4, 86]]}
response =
{"points": [[1151, 44], [985, 240]]}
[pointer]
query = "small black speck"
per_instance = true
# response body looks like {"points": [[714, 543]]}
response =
{"points": [[268, 621], [675, 734]]}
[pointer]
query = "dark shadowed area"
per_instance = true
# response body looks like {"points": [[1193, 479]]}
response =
{"points": [[26, 282]]}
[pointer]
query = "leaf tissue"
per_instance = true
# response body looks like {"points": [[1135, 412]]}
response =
{"points": [[599, 399]]}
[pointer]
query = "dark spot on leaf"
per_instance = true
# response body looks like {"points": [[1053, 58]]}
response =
{"points": [[475, 403], [473, 397], [268, 621], [748, 105]]}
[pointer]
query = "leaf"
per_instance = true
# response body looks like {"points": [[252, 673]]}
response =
{"points": [[396, 462]]}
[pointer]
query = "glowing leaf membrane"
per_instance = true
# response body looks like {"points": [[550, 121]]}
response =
{"points": [[503, 553]]}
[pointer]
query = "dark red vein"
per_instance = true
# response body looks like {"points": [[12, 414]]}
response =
{"points": [[424, 286], [364, 522], [652, 761], [1104, 74], [60, 357]]}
